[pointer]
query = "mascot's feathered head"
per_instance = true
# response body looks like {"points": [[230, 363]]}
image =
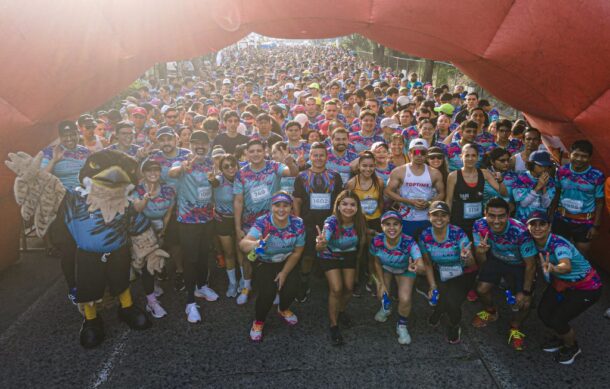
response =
{"points": [[107, 178]]}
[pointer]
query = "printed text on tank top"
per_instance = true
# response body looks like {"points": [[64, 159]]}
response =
{"points": [[416, 187]]}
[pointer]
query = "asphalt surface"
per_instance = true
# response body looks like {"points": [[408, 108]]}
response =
{"points": [[39, 345]]}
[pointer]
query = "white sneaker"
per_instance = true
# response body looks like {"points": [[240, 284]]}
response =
{"points": [[232, 290], [243, 296], [155, 309], [205, 292], [607, 314], [382, 315], [158, 291], [241, 283], [192, 313], [403, 334], [276, 301]]}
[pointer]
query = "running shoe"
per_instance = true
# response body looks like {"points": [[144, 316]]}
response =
{"points": [[288, 316], [516, 339], [179, 282], [72, 295], [243, 296], [256, 331], [472, 296], [192, 313], [435, 318], [155, 309], [403, 334], [158, 291], [220, 261], [345, 320], [303, 295], [552, 345], [382, 315], [206, 293], [454, 334], [336, 338], [232, 290], [567, 355], [483, 318]]}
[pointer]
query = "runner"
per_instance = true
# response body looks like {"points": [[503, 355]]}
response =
{"points": [[367, 135], [574, 287], [532, 139], [534, 189], [504, 249], [339, 157], [280, 237], [396, 256], [339, 244]]}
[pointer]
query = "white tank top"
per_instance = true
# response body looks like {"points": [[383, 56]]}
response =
{"points": [[416, 188], [519, 164]]}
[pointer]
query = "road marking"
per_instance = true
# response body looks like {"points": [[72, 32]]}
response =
{"points": [[106, 367]]}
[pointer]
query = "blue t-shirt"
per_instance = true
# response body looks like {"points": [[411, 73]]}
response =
{"points": [[511, 246], [89, 230], [447, 252], [580, 190], [257, 187], [157, 206], [395, 259], [560, 248], [340, 239], [282, 241], [223, 198], [68, 168], [195, 194]]}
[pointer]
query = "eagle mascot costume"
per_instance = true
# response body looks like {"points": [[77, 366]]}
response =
{"points": [[97, 225]]}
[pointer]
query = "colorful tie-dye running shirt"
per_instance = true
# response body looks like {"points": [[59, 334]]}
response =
{"points": [[396, 259], [282, 241], [511, 246], [340, 239], [560, 248], [195, 193], [580, 190], [68, 168], [447, 252]]}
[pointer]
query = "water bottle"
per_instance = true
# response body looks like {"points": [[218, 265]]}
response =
{"points": [[434, 299], [547, 276], [261, 247], [385, 300], [511, 300]]}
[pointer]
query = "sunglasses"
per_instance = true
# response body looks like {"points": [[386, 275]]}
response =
{"points": [[171, 116], [435, 157], [419, 152], [228, 165], [90, 127]]}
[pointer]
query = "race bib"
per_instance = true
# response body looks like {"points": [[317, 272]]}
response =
{"points": [[572, 205], [394, 270], [449, 272], [369, 206], [260, 193], [473, 210], [204, 193], [344, 178], [319, 201]]}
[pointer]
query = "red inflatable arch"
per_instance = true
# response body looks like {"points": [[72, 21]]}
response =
{"points": [[547, 58]]}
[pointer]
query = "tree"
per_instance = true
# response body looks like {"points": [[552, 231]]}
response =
{"points": [[428, 71], [379, 54]]}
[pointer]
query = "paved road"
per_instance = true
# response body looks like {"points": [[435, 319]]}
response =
{"points": [[39, 346]]}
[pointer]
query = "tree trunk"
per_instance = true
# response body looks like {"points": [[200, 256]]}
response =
{"points": [[379, 54], [428, 71]]}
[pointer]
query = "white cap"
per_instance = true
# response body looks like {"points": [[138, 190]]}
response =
{"points": [[302, 119], [418, 143], [289, 86], [226, 81], [402, 100], [389, 122]]}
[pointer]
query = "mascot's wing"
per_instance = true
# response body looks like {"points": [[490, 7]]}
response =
{"points": [[39, 193]]}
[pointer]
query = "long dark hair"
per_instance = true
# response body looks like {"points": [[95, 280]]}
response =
{"points": [[369, 155], [359, 220]]}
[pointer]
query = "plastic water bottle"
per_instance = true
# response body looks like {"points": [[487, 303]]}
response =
{"points": [[511, 300], [385, 300], [434, 299], [261, 247]]}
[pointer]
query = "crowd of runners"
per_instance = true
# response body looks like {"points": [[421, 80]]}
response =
{"points": [[283, 162]]}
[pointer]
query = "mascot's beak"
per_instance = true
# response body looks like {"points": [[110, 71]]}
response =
{"points": [[112, 177]]}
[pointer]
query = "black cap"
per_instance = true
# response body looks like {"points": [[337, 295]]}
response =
{"points": [[66, 126], [124, 124], [148, 164], [200, 135], [84, 119]]}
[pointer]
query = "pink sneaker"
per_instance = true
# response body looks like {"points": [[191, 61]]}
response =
{"points": [[256, 332]]}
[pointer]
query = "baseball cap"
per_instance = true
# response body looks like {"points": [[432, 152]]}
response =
{"points": [[390, 215], [85, 118], [198, 119], [139, 111], [387, 101], [281, 197], [298, 108], [314, 85], [226, 81], [165, 130], [212, 111], [289, 86], [200, 135], [445, 108], [439, 206], [66, 126], [541, 158], [538, 215], [302, 119], [124, 124], [418, 143], [402, 100], [148, 164], [389, 122], [218, 152], [435, 150]]}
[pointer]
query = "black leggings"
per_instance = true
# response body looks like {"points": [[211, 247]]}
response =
{"points": [[452, 294], [264, 278], [148, 281], [194, 242], [557, 314]]}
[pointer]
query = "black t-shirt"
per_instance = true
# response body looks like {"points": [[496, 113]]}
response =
{"points": [[229, 144], [321, 185]]}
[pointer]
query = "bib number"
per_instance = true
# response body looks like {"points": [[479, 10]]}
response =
{"points": [[319, 201], [204, 193], [473, 210], [572, 206], [260, 194], [449, 272], [369, 206]]}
